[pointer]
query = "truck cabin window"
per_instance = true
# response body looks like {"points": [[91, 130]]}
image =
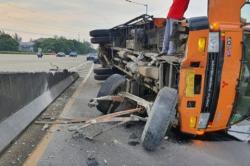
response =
{"points": [[243, 99], [245, 13]]}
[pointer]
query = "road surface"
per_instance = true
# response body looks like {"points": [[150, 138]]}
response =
{"points": [[62, 147], [30, 63]]}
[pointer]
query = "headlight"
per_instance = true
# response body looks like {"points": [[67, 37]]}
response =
{"points": [[213, 44], [202, 44], [203, 121]]}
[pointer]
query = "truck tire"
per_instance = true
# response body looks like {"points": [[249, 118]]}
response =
{"points": [[159, 120], [100, 40], [113, 85], [101, 77], [99, 32], [101, 71]]}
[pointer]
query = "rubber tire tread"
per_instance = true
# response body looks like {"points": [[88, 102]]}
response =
{"points": [[103, 71], [101, 77], [109, 87], [103, 40], [159, 120], [99, 33]]}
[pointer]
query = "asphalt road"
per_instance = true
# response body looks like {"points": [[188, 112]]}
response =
{"points": [[19, 150], [63, 148], [30, 63]]}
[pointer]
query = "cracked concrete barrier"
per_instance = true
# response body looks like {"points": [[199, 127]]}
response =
{"points": [[23, 96]]}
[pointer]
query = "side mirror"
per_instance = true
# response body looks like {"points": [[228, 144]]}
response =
{"points": [[245, 13]]}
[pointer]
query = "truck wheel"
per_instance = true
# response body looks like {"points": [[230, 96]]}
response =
{"points": [[99, 32], [160, 117], [101, 77], [112, 86], [101, 71], [102, 40]]}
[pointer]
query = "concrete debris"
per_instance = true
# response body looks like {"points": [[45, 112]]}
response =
{"points": [[115, 141], [73, 128], [166, 138], [45, 127], [105, 161]]}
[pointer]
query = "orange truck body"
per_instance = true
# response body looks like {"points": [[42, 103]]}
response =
{"points": [[224, 18]]}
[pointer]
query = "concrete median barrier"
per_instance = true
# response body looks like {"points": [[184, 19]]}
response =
{"points": [[23, 96]]}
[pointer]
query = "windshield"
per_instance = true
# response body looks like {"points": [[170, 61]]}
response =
{"points": [[242, 109], [245, 16]]}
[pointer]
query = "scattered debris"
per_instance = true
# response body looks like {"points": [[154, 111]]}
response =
{"points": [[73, 128], [78, 135], [45, 127], [63, 121], [115, 141], [105, 162], [166, 138], [114, 117], [91, 161], [78, 129], [134, 142], [105, 130]]}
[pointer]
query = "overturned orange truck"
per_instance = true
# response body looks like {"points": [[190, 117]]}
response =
{"points": [[204, 88]]}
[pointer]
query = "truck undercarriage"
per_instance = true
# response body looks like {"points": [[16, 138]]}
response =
{"points": [[194, 77]]}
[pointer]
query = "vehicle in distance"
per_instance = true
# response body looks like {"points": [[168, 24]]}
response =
{"points": [[60, 54], [39, 53], [73, 54], [93, 57]]}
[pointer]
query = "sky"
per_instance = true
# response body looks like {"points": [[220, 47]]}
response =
{"points": [[33, 19]]}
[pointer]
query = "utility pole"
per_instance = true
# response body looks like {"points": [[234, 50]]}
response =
{"points": [[137, 3]]}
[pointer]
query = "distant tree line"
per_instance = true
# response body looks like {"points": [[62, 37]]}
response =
{"points": [[7, 42], [48, 45], [61, 44]]}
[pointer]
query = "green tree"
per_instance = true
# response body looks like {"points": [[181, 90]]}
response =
{"points": [[7, 43], [17, 38], [61, 44]]}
